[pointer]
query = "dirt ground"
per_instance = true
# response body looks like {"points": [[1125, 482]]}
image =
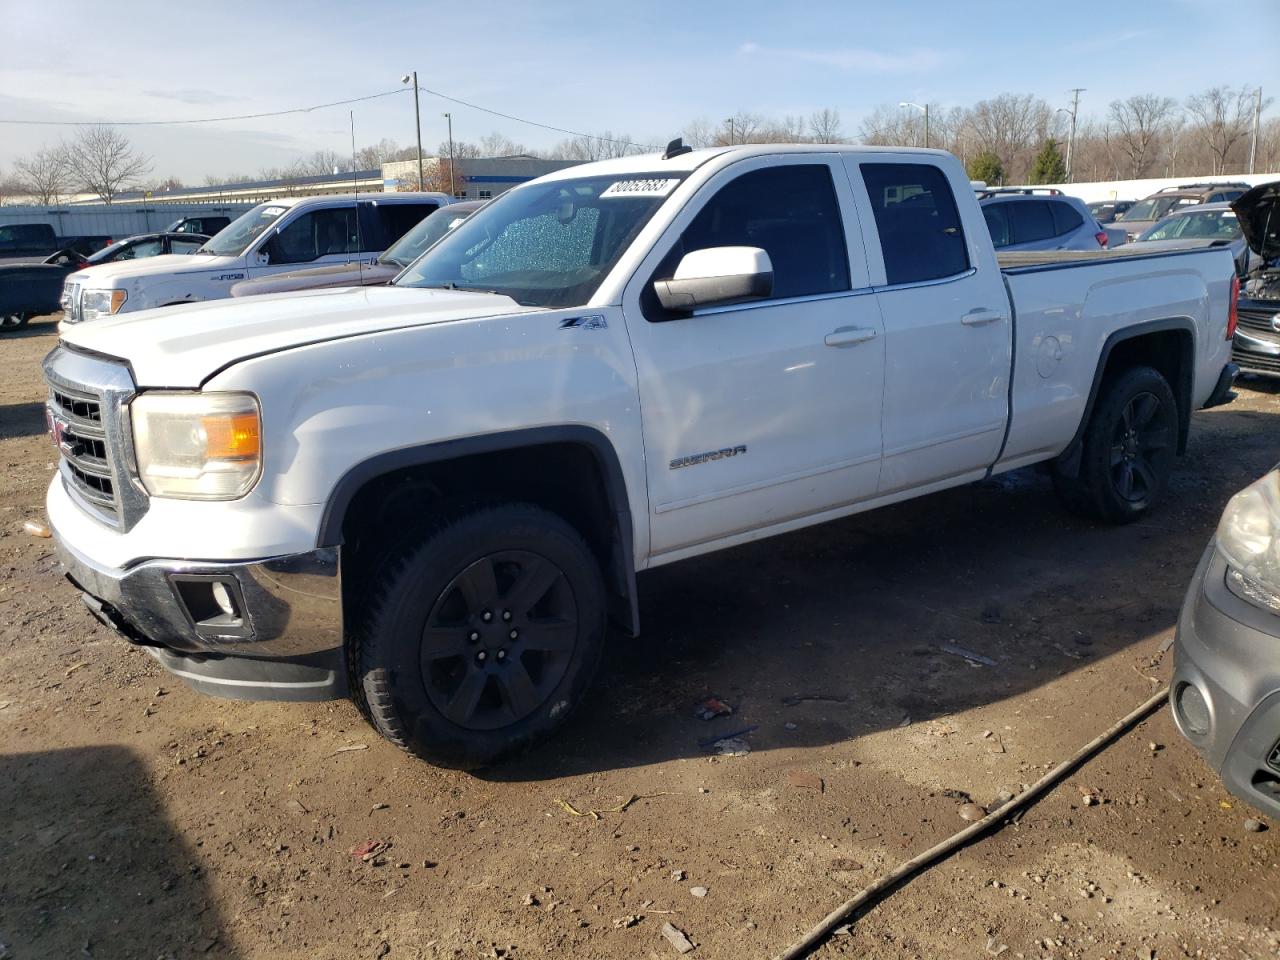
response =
{"points": [[138, 819]]}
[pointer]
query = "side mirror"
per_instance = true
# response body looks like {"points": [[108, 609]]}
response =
{"points": [[263, 256], [717, 276]]}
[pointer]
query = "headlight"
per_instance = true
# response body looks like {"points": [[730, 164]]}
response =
{"points": [[198, 446], [1249, 540], [101, 303]]}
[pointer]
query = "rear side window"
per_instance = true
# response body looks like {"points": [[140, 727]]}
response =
{"points": [[1032, 220], [1065, 218], [397, 219], [917, 220], [791, 213]]}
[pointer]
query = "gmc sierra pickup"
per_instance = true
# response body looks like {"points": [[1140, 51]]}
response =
{"points": [[433, 496]]}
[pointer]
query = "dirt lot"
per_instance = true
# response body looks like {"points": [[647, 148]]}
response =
{"points": [[141, 820]]}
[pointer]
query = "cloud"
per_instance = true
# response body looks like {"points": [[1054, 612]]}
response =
{"points": [[193, 96], [854, 59]]}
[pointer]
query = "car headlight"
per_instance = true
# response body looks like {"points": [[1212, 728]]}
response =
{"points": [[197, 446], [1249, 540], [101, 303]]}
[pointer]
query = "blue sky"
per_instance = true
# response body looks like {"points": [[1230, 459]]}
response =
{"points": [[645, 70]]}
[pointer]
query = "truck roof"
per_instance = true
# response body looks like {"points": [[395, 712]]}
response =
{"points": [[398, 197], [687, 162]]}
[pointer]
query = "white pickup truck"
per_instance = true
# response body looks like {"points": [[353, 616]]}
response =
{"points": [[272, 238], [433, 496]]}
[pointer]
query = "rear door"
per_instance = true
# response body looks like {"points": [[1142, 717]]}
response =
{"points": [[948, 328], [759, 413], [391, 221]]}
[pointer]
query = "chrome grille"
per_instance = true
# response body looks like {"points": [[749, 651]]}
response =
{"points": [[88, 399], [1259, 321], [70, 301]]}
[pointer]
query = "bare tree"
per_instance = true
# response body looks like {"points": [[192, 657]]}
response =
{"points": [[824, 126], [376, 154], [698, 133], [887, 126], [1011, 126], [103, 162], [1139, 122], [44, 175], [1222, 118]]}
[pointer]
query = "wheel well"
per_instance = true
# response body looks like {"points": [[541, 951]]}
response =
{"points": [[1170, 352], [391, 510], [1166, 346]]}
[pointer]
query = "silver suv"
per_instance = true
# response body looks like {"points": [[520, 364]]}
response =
{"points": [[1053, 221]]}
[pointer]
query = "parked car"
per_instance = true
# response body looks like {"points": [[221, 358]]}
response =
{"points": [[1105, 211], [207, 225], [35, 241], [1146, 212], [1257, 340], [1021, 221], [433, 495], [32, 289], [271, 238], [1226, 681], [1199, 225], [383, 270]]}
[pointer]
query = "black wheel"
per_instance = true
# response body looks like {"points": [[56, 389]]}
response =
{"points": [[12, 321], [482, 638], [1129, 447]]}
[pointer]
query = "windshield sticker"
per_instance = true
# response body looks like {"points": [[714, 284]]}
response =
{"points": [[273, 211], [640, 188]]}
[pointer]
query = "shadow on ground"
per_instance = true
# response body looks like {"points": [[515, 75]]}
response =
{"points": [[22, 420], [117, 880], [831, 633]]}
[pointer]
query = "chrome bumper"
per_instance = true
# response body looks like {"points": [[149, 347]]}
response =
{"points": [[282, 639]]}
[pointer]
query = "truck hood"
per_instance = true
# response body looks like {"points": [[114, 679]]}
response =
{"points": [[114, 274], [1260, 220], [182, 346]]}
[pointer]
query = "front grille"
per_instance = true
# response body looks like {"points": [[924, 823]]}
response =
{"points": [[1259, 321], [87, 410]]}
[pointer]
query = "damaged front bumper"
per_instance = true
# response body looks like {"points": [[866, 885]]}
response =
{"points": [[267, 629]]}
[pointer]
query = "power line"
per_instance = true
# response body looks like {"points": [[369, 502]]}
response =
{"points": [[322, 106], [171, 123]]}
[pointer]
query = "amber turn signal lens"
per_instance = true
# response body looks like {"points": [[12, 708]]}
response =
{"points": [[232, 437]]}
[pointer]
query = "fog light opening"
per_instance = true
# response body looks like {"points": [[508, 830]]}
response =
{"points": [[1193, 709], [222, 597]]}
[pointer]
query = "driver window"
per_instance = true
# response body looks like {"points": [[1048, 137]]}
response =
{"points": [[316, 234], [791, 212], [143, 248]]}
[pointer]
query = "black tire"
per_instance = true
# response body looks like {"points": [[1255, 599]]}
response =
{"points": [[13, 321], [1129, 448], [453, 686]]}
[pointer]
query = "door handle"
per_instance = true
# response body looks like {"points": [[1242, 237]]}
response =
{"points": [[980, 317], [849, 336]]}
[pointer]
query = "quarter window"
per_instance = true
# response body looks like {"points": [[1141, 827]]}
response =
{"points": [[916, 217], [1065, 218]]}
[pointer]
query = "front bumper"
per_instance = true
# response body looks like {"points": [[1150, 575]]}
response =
{"points": [[281, 640], [1228, 650]]}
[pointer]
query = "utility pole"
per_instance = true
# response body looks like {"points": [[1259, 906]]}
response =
{"points": [[417, 119], [1253, 144], [730, 122], [453, 186], [924, 109], [1071, 140]]}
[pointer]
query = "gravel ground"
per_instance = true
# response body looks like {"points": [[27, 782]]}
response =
{"points": [[138, 819]]}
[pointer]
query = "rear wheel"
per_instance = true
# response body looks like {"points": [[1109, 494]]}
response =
{"points": [[1129, 447], [482, 637], [12, 321]]}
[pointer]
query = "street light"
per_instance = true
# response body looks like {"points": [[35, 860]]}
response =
{"points": [[453, 187], [925, 110], [417, 118]]}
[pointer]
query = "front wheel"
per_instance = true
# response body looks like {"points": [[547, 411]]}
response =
{"points": [[482, 638], [1129, 447]]}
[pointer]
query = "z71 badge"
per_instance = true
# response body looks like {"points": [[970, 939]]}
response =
{"points": [[697, 458]]}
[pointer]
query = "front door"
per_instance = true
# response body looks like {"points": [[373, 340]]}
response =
{"points": [[764, 412], [315, 238]]}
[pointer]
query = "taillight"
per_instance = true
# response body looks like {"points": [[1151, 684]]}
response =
{"points": [[1101, 237], [1233, 315]]}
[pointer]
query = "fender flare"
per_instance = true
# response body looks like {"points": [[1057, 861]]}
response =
{"points": [[1068, 462], [622, 575]]}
